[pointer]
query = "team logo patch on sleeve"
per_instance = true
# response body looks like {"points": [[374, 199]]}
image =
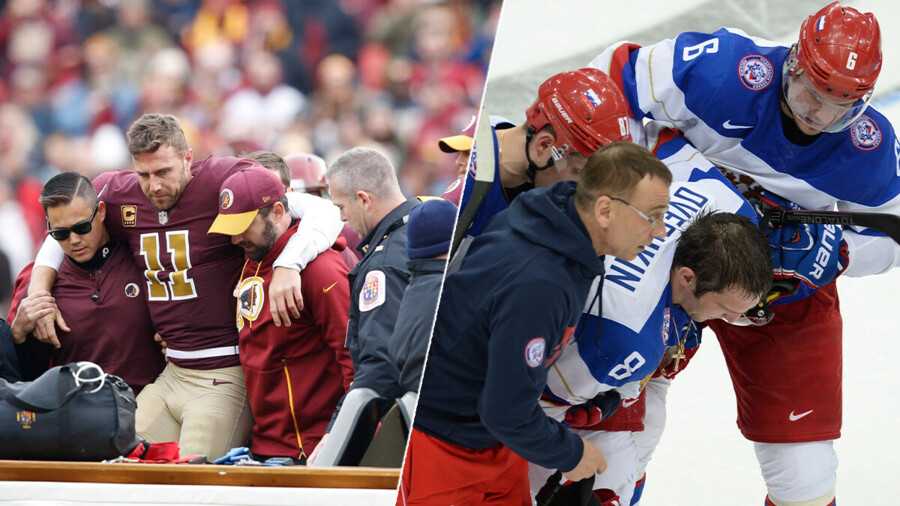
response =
{"points": [[756, 72], [865, 134], [534, 351], [373, 291]]}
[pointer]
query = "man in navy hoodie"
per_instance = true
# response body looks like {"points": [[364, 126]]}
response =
{"points": [[504, 318]]}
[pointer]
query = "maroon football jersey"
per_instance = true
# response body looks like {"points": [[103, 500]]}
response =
{"points": [[189, 274]]}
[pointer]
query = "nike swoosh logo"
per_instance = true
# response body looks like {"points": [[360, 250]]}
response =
{"points": [[792, 417], [629, 402], [329, 287], [729, 126], [218, 382]]}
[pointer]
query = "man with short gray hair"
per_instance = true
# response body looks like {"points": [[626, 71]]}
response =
{"points": [[363, 185]]}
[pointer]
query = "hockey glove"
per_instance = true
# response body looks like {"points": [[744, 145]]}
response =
{"points": [[594, 411], [805, 257]]}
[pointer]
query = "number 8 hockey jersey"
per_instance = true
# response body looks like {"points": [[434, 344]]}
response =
{"points": [[626, 344]]}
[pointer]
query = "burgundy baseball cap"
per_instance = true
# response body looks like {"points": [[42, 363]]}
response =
{"points": [[241, 197]]}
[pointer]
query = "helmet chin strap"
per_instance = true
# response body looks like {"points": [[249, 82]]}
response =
{"points": [[533, 168]]}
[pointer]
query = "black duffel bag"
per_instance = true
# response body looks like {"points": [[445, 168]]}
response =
{"points": [[71, 412]]}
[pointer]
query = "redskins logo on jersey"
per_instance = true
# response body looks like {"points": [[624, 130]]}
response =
{"points": [[250, 299], [756, 72], [132, 290]]}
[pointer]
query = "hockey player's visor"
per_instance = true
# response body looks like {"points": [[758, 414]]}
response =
{"points": [[817, 111]]}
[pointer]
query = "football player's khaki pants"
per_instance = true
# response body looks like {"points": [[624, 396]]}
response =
{"points": [[205, 411]]}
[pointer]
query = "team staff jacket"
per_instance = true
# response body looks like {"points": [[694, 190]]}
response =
{"points": [[295, 375], [377, 284], [189, 274], [724, 91], [622, 346], [104, 305], [410, 340], [521, 288]]}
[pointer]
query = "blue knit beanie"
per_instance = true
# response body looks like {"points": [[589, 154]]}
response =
{"points": [[429, 229]]}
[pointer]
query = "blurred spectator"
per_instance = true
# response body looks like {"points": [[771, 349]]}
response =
{"points": [[28, 88], [16, 253], [136, 37], [320, 28], [99, 95], [30, 33], [18, 141], [264, 100]]}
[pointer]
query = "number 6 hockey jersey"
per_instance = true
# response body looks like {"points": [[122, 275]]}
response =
{"points": [[724, 89]]}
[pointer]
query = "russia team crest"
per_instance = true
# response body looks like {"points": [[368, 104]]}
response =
{"points": [[865, 134], [756, 72]]}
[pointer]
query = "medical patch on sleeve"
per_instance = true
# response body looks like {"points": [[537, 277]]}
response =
{"points": [[373, 291], [534, 352]]}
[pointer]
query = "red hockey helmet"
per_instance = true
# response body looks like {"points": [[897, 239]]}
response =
{"points": [[585, 108], [833, 67], [307, 173], [840, 50]]}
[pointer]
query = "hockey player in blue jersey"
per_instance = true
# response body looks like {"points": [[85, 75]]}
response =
{"points": [[575, 113], [793, 122], [708, 266]]}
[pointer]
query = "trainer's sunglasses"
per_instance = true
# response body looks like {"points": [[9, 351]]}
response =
{"points": [[80, 228]]}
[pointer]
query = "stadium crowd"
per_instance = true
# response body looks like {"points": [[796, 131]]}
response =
{"points": [[314, 76]]}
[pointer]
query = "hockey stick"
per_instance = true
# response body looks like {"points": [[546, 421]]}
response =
{"points": [[886, 223], [483, 158]]}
